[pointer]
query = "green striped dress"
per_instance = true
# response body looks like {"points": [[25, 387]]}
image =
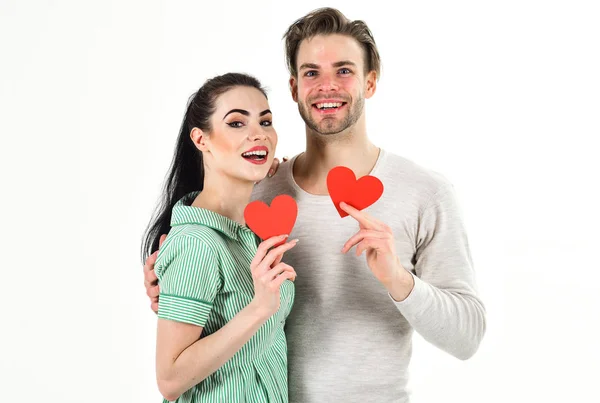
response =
{"points": [[203, 268]]}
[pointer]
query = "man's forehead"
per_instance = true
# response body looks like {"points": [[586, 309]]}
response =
{"points": [[329, 50]]}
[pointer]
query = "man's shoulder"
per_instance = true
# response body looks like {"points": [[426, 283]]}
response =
{"points": [[268, 188], [397, 169]]}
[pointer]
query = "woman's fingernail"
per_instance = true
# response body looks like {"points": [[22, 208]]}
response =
{"points": [[270, 173]]}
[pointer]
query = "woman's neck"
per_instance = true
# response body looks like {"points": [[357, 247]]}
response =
{"points": [[225, 196]]}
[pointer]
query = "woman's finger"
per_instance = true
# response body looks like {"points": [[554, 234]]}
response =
{"points": [[264, 247]]}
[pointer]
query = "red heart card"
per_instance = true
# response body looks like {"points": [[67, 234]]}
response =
{"points": [[279, 219], [343, 187]]}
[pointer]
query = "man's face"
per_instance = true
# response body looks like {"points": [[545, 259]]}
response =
{"points": [[331, 86]]}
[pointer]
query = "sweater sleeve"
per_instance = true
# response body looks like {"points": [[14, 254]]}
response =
{"points": [[443, 306]]}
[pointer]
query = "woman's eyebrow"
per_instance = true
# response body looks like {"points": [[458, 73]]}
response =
{"points": [[242, 111]]}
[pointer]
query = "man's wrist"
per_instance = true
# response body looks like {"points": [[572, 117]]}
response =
{"points": [[402, 285]]}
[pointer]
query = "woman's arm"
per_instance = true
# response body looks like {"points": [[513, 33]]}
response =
{"points": [[183, 360]]}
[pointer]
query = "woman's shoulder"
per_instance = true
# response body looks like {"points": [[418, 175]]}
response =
{"points": [[190, 242], [194, 233]]}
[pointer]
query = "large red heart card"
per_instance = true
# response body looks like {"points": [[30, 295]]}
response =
{"points": [[278, 219], [360, 194]]}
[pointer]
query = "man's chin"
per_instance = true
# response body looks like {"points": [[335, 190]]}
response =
{"points": [[327, 128]]}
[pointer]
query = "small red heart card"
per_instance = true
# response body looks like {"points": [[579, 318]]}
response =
{"points": [[278, 219], [344, 187]]}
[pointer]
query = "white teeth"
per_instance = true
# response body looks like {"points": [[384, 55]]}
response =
{"points": [[260, 153], [329, 105]]}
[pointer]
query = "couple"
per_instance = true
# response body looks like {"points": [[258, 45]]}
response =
{"points": [[240, 320]]}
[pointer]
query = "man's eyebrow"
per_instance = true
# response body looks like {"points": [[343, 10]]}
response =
{"points": [[344, 63], [336, 64], [309, 66], [242, 111]]}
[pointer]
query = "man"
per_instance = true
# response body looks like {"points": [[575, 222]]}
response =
{"points": [[349, 332]]}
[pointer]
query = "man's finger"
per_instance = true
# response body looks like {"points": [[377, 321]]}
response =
{"points": [[372, 219], [381, 226], [368, 243], [153, 292], [274, 167], [362, 234], [358, 216], [150, 277], [149, 265]]}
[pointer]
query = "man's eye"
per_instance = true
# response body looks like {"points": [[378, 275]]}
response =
{"points": [[345, 71], [266, 123], [310, 73], [236, 124]]}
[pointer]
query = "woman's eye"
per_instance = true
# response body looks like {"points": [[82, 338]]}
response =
{"points": [[266, 123], [235, 124]]}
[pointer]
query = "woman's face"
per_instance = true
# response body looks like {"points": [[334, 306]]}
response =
{"points": [[242, 141]]}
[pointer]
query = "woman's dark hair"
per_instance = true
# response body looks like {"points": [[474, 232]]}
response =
{"points": [[186, 173]]}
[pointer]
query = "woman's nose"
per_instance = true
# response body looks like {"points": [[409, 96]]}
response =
{"points": [[257, 133]]}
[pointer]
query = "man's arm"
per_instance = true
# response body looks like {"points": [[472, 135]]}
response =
{"points": [[150, 279], [440, 302], [443, 305]]}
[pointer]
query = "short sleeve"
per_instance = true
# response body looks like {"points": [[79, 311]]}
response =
{"points": [[189, 279]]}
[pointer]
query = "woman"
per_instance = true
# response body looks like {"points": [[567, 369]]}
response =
{"points": [[223, 296]]}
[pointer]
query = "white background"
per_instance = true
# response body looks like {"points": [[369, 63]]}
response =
{"points": [[501, 97]]}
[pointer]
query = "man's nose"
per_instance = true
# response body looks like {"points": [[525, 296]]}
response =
{"points": [[328, 83]]}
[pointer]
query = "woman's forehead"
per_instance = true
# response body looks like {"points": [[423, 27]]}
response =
{"points": [[247, 98]]}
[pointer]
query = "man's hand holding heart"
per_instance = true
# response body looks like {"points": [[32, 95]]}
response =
{"points": [[376, 239]]}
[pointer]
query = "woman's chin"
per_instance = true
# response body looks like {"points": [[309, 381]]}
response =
{"points": [[259, 178], [254, 173], [256, 176]]}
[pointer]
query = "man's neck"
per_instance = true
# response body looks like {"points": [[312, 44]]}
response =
{"points": [[352, 149]]}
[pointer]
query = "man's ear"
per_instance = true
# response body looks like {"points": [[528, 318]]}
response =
{"points": [[370, 84], [199, 139], [294, 88]]}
